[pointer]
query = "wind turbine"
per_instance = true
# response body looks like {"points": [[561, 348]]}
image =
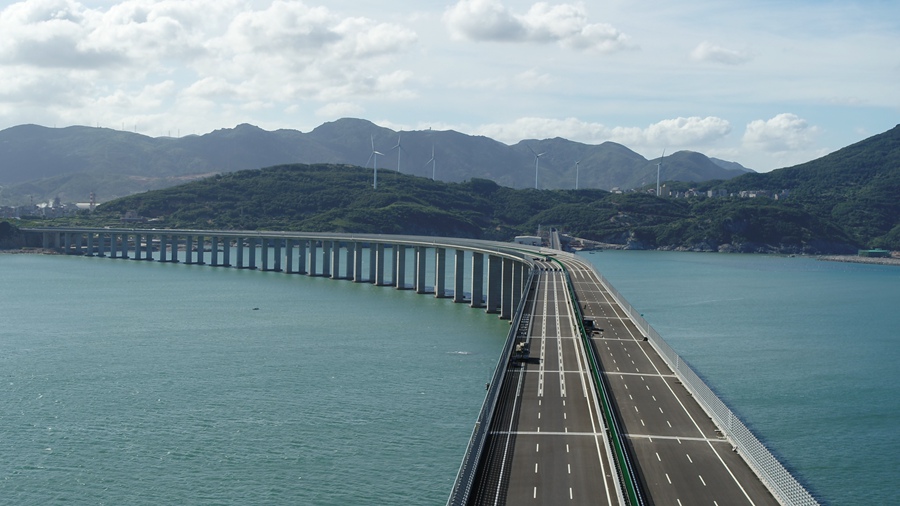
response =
{"points": [[399, 148], [658, 168], [537, 159], [432, 162], [576, 173], [374, 158]]}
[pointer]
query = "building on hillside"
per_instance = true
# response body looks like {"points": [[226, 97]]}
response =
{"points": [[531, 240], [874, 253]]}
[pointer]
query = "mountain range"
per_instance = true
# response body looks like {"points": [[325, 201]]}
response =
{"points": [[73, 162]]}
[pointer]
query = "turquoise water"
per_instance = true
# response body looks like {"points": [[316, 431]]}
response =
{"points": [[805, 351], [145, 383]]}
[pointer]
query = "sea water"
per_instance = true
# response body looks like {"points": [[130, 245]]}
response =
{"points": [[805, 351], [127, 382]]}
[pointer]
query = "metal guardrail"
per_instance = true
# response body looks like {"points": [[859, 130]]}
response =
{"points": [[783, 485], [468, 470]]}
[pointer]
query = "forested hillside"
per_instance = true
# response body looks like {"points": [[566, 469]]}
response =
{"points": [[341, 199]]}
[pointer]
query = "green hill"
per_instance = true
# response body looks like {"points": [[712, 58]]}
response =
{"points": [[341, 198], [857, 188]]}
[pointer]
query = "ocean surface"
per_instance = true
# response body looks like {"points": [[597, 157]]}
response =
{"points": [[805, 351], [128, 382]]}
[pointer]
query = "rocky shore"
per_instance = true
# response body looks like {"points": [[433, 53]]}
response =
{"points": [[861, 260]]}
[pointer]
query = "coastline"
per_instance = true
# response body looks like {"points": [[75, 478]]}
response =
{"points": [[860, 260], [29, 251]]}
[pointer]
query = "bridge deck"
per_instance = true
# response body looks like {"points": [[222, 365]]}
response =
{"points": [[681, 457], [547, 443]]}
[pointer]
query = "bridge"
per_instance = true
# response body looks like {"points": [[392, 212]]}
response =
{"points": [[587, 404]]}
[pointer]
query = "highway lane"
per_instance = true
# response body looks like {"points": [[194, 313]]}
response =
{"points": [[681, 457], [547, 444]]}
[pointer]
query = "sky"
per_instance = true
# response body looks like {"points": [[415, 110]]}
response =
{"points": [[767, 84]]}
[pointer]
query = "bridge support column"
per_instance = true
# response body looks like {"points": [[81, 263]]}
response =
{"points": [[477, 280], [113, 246], [326, 259], [380, 261], [101, 244], [277, 254], [251, 245], [421, 263], [189, 249], [350, 261], [518, 283], [214, 251], [313, 255], [440, 272], [507, 296], [264, 253], [357, 263], [400, 267], [301, 257], [288, 256], [164, 247], [459, 276], [201, 254], [226, 252], [239, 244], [137, 247], [149, 250], [494, 278], [335, 260], [90, 244]]}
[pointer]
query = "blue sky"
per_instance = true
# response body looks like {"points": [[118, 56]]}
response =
{"points": [[765, 84]]}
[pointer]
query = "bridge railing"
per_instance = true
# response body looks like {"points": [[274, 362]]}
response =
{"points": [[783, 485], [468, 470]]}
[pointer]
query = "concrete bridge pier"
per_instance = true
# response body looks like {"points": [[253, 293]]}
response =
{"points": [[400, 267], [113, 246], [101, 245], [349, 261], [201, 253], [459, 276], [477, 299], [313, 255], [421, 264], [164, 241], [251, 248], [506, 300], [440, 272], [494, 279], [264, 253], [226, 251], [289, 256], [90, 245], [276, 255], [335, 259], [239, 245], [357, 264], [189, 249], [214, 251], [302, 264], [378, 262]]}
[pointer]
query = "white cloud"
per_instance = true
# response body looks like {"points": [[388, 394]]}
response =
{"points": [[784, 132], [565, 24], [707, 52], [340, 110], [678, 132]]}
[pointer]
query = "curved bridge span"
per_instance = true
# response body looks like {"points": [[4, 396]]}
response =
{"points": [[587, 404]]}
